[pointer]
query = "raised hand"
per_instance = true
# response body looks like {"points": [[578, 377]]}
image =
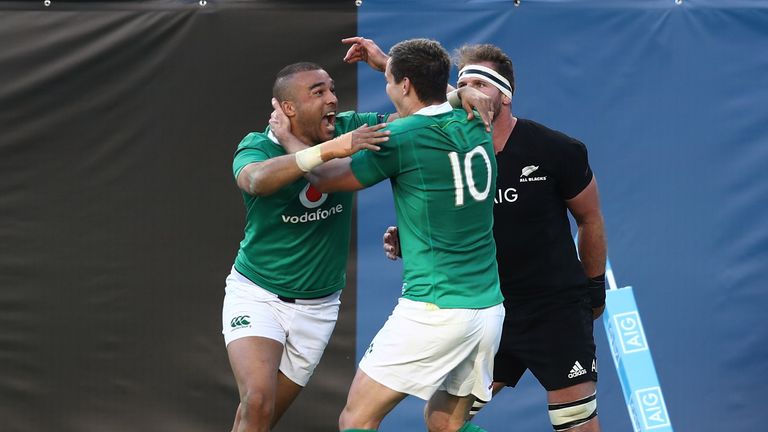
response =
{"points": [[364, 137], [366, 50], [483, 104], [279, 123]]}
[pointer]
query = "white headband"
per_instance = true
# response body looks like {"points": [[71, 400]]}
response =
{"points": [[489, 75]]}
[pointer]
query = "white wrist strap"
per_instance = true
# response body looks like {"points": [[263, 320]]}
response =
{"points": [[309, 158], [453, 99]]}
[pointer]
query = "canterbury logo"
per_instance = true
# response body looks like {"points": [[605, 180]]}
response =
{"points": [[240, 321], [528, 170]]}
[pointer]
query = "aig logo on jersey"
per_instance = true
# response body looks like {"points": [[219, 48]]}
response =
{"points": [[527, 171], [508, 195], [311, 197]]}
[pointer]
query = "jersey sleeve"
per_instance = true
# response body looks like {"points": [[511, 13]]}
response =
{"points": [[576, 172], [248, 151], [370, 167]]}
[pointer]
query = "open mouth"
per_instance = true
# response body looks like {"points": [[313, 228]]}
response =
{"points": [[329, 121]]}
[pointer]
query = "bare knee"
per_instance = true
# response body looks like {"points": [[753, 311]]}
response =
{"points": [[257, 407], [438, 422], [351, 419]]}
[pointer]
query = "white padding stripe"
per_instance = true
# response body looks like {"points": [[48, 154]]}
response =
{"points": [[568, 415]]}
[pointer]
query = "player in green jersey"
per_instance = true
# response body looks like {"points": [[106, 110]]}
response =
{"points": [[541, 274], [440, 341], [282, 296]]}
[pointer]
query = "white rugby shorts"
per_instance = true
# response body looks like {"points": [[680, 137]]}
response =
{"points": [[422, 349], [304, 328]]}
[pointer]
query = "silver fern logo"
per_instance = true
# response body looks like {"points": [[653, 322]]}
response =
{"points": [[528, 170]]}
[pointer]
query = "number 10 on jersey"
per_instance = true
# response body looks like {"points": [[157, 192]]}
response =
{"points": [[458, 179]]}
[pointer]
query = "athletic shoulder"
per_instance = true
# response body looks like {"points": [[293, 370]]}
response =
{"points": [[254, 140], [545, 135], [445, 121], [407, 124]]}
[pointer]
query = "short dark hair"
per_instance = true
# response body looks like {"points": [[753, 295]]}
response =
{"points": [[280, 89], [472, 54], [425, 63]]}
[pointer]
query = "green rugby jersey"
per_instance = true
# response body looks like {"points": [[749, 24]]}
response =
{"points": [[443, 174], [296, 240]]}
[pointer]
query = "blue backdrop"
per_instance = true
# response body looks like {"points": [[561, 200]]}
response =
{"points": [[671, 102]]}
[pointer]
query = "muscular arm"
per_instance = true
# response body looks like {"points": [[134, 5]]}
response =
{"points": [[334, 177], [331, 176], [366, 50], [585, 208], [266, 178]]}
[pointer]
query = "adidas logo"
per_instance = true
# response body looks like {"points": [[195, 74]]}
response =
{"points": [[577, 370]]}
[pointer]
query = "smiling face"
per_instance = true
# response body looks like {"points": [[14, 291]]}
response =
{"points": [[311, 106]]}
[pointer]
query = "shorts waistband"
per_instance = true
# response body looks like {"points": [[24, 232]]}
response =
{"points": [[306, 300], [310, 300]]}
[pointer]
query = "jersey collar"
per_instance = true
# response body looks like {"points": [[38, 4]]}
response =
{"points": [[434, 110], [273, 138]]}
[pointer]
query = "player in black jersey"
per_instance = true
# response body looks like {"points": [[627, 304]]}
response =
{"points": [[551, 296]]}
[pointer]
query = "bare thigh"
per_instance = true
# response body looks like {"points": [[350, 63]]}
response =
{"points": [[255, 362], [368, 403]]}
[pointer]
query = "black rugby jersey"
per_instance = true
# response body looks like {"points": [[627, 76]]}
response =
{"points": [[539, 169]]}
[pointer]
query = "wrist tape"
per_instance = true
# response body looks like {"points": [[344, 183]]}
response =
{"points": [[309, 158], [454, 99], [596, 286]]}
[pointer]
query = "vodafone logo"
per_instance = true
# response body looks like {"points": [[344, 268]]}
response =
{"points": [[311, 197]]}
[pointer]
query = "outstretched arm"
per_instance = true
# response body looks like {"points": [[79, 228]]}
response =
{"points": [[336, 174], [335, 177], [471, 98], [267, 177], [366, 50], [364, 137]]}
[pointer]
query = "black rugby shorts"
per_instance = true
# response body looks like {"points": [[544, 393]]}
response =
{"points": [[551, 338]]}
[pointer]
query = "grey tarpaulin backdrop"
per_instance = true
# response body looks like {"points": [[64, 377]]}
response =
{"points": [[119, 218], [671, 101]]}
